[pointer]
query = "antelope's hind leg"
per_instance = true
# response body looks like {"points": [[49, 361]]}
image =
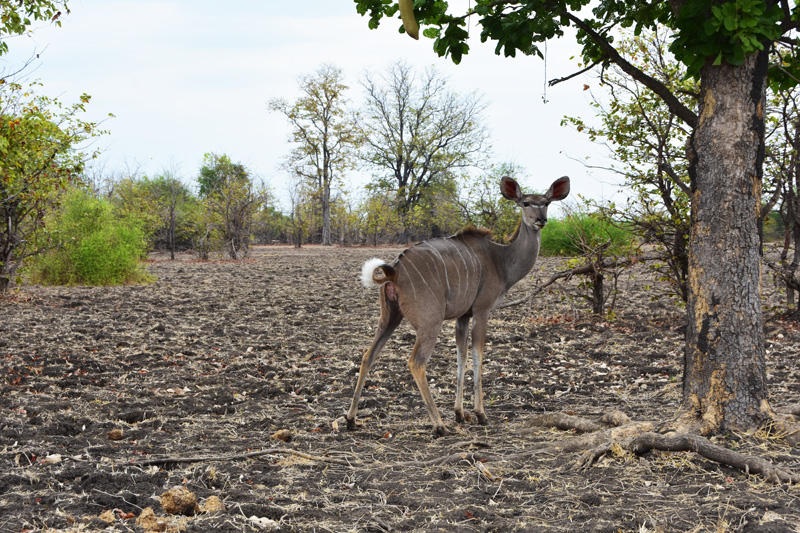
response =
{"points": [[423, 348], [391, 316]]}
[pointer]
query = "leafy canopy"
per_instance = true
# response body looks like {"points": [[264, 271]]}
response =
{"points": [[703, 29], [16, 16], [217, 172], [40, 155]]}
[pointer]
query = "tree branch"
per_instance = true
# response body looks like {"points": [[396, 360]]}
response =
{"points": [[674, 104], [606, 263], [574, 74]]}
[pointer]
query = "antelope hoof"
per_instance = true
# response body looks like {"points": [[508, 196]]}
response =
{"points": [[482, 420], [441, 431], [351, 423], [462, 417]]}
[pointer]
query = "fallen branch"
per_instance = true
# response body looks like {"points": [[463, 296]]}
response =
{"points": [[239, 457], [566, 422], [450, 459]]}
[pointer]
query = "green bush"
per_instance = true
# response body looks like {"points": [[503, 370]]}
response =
{"points": [[90, 245], [581, 233]]}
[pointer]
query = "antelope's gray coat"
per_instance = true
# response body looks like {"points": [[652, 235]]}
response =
{"points": [[461, 277]]}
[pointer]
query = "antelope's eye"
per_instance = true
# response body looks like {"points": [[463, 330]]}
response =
{"points": [[526, 204]]}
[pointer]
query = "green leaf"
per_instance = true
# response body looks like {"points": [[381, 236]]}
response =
{"points": [[711, 26], [730, 21], [431, 33]]}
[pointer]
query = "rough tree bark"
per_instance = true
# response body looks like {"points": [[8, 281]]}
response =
{"points": [[326, 213], [725, 375]]}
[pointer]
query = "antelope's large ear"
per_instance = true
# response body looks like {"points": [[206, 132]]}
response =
{"points": [[510, 188], [558, 190]]}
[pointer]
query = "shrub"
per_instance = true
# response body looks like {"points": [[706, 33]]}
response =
{"points": [[90, 245], [596, 244], [582, 233]]}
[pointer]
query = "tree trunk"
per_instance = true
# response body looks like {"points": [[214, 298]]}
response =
{"points": [[793, 225], [725, 383], [172, 234], [680, 260], [326, 215], [598, 293]]}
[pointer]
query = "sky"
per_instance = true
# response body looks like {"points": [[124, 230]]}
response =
{"points": [[188, 77]]}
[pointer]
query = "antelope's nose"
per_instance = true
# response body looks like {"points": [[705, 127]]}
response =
{"points": [[541, 221]]}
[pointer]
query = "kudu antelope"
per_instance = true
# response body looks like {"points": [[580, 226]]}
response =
{"points": [[464, 276]]}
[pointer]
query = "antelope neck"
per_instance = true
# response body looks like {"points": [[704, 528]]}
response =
{"points": [[521, 254]]}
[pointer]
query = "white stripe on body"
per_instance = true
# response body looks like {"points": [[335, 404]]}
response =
{"points": [[423, 278], [411, 281], [474, 258], [460, 285], [466, 268], [444, 265], [429, 261]]}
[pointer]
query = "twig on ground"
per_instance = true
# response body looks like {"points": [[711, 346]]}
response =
{"points": [[238, 457]]}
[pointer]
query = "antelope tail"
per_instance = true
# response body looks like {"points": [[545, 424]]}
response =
{"points": [[376, 272]]}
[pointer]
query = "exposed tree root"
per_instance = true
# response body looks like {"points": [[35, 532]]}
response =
{"points": [[597, 439], [792, 410], [592, 440], [702, 446], [639, 438], [580, 424], [450, 459], [559, 420], [566, 422]]}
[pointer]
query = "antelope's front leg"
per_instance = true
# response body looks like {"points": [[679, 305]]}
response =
{"points": [[462, 336], [479, 324]]}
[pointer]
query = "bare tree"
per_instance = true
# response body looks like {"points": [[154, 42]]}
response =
{"points": [[417, 131], [323, 133]]}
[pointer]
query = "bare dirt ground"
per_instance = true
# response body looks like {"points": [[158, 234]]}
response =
{"points": [[215, 358]]}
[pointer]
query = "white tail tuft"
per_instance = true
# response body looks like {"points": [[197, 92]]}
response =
{"points": [[368, 270]]}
